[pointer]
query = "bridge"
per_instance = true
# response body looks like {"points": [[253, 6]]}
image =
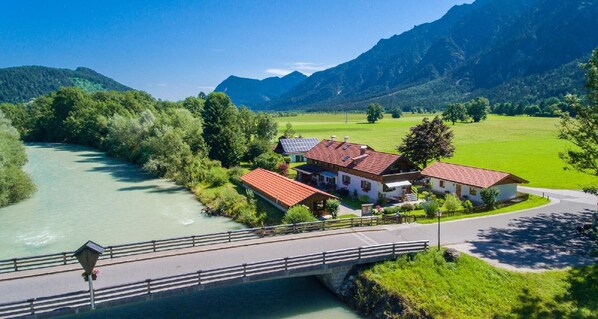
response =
{"points": [[49, 285]]}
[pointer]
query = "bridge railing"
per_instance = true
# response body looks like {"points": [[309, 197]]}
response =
{"points": [[257, 270], [116, 251]]}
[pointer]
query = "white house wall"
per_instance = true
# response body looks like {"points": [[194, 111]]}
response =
{"points": [[507, 191], [355, 184]]}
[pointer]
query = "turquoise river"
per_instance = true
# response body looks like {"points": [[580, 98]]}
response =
{"points": [[84, 194]]}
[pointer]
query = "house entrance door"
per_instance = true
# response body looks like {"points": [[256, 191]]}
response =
{"points": [[458, 191]]}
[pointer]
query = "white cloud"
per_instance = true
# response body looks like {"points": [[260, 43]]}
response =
{"points": [[304, 67]]}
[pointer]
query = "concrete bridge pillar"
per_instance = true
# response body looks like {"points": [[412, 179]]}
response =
{"points": [[334, 278]]}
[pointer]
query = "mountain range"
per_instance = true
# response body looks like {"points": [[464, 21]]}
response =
{"points": [[506, 50], [21, 84], [252, 92]]}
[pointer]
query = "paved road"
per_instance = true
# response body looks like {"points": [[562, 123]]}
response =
{"points": [[540, 238], [535, 239]]}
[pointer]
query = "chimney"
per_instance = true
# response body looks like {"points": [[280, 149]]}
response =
{"points": [[333, 138], [346, 139], [362, 149]]}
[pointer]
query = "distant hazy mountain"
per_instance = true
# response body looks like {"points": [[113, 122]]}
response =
{"points": [[517, 50], [21, 84], [250, 92]]}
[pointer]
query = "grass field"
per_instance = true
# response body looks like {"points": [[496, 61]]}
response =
{"points": [[470, 288], [525, 146]]}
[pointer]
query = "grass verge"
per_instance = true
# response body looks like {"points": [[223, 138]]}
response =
{"points": [[428, 286], [533, 201]]}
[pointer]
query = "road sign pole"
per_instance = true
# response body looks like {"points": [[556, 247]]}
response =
{"points": [[90, 280]]}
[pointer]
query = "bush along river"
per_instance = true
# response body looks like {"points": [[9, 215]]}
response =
{"points": [[84, 194]]}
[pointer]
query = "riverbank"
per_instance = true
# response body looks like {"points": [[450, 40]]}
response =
{"points": [[428, 286]]}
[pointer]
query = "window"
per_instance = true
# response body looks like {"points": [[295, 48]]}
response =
{"points": [[321, 178], [441, 184], [346, 179], [319, 205], [300, 158], [473, 191], [366, 186]]}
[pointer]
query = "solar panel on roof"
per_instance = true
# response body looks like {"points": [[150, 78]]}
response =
{"points": [[298, 145], [346, 158]]}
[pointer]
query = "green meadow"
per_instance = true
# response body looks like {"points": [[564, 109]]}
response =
{"points": [[525, 146]]}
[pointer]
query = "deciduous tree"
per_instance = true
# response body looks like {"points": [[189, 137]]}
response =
{"points": [[222, 133], [455, 112], [266, 126], [582, 131], [428, 141], [374, 112], [477, 109]]}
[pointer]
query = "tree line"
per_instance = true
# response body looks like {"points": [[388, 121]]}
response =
{"points": [[199, 140]]}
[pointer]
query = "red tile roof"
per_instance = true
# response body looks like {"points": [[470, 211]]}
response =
{"points": [[334, 152], [472, 176], [283, 189]]}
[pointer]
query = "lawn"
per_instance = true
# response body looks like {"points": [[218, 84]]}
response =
{"points": [[470, 288], [533, 201], [525, 146]]}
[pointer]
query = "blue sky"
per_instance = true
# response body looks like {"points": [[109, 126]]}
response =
{"points": [[174, 49]]}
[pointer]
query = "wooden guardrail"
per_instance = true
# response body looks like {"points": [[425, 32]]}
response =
{"points": [[66, 258], [275, 268]]}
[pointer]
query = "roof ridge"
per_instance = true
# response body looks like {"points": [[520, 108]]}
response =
{"points": [[468, 166]]}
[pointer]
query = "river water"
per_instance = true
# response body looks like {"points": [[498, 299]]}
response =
{"points": [[83, 194]]}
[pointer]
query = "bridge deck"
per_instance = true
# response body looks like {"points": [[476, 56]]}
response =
{"points": [[58, 280]]}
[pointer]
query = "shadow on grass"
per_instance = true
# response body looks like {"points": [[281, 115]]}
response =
{"points": [[579, 301], [540, 242]]}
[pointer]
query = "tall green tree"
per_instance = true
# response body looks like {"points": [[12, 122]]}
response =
{"points": [[428, 141], [194, 105], [289, 131], [222, 132], [266, 126], [455, 112], [477, 108], [374, 112], [582, 131], [247, 122]]}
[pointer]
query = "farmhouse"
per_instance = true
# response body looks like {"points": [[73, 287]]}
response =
{"points": [[358, 169], [283, 192], [295, 148], [467, 182]]}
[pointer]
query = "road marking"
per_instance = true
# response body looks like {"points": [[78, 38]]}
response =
{"points": [[364, 238]]}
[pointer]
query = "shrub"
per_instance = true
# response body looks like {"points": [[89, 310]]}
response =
{"points": [[283, 169], [267, 161], [489, 196], [287, 160], [217, 176], [391, 210], [407, 208], [332, 206], [364, 198], [256, 148], [451, 203], [235, 173], [298, 214], [430, 207], [467, 205]]}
